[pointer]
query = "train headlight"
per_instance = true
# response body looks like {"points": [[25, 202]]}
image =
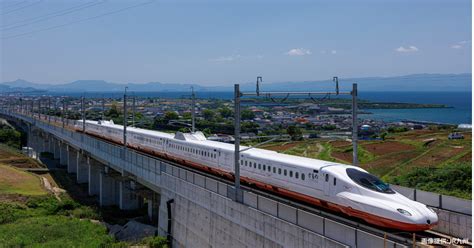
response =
{"points": [[404, 212]]}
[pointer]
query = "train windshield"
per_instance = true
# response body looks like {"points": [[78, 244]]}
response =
{"points": [[369, 181]]}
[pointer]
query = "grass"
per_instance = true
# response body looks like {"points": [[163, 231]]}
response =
{"points": [[54, 231], [15, 181]]}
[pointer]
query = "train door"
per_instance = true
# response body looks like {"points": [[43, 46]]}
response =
{"points": [[326, 183]]}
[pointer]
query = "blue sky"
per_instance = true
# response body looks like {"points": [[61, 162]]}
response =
{"points": [[226, 42]]}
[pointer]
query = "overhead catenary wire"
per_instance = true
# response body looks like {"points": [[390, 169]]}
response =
{"points": [[77, 21], [22, 7], [46, 17]]}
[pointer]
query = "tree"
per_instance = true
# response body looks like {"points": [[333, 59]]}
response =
{"points": [[208, 114], [247, 115], [113, 112], [187, 115], [295, 133], [170, 115], [225, 112]]}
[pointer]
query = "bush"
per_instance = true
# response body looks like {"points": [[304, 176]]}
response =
{"points": [[453, 179], [54, 231], [10, 212], [397, 129]]}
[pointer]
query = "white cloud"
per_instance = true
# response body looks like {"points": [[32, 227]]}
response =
{"points": [[329, 51], [298, 52], [226, 58], [459, 45], [235, 58], [409, 49]]}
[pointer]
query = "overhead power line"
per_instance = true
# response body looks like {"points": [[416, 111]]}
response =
{"points": [[50, 15], [77, 21], [23, 7]]}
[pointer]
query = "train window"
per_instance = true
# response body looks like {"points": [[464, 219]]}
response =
{"points": [[302, 177], [284, 172], [269, 168], [291, 173], [264, 167], [241, 162], [368, 181], [334, 182], [259, 166], [274, 170], [296, 175], [279, 171], [245, 162], [255, 165], [327, 177]]}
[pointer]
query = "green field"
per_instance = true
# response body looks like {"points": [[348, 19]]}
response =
{"points": [[424, 159], [31, 217], [15, 181]]}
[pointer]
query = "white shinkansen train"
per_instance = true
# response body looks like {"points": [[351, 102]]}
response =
{"points": [[338, 187]]}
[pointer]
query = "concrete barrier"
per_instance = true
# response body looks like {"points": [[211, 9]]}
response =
{"points": [[427, 198], [456, 204], [335, 230], [310, 221], [267, 205], [287, 213]]}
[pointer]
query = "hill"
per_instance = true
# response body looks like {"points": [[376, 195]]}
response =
{"points": [[415, 82]]}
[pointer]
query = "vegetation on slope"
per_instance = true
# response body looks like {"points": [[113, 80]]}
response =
{"points": [[452, 179]]}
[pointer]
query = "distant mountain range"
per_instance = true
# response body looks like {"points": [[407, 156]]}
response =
{"points": [[415, 82]]}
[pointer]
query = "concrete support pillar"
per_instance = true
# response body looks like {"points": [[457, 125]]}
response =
{"points": [[153, 207], [50, 144], [128, 199], [63, 154], [108, 190], [94, 171], [56, 149], [41, 144], [44, 143], [71, 160], [33, 145], [82, 170]]}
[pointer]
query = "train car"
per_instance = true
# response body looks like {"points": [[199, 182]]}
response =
{"points": [[335, 186]]}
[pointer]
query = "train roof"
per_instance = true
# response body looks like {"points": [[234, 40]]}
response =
{"points": [[252, 153]]}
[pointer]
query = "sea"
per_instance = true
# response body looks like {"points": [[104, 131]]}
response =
{"points": [[459, 103]]}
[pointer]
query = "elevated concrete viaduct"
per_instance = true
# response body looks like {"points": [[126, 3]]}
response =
{"points": [[190, 207]]}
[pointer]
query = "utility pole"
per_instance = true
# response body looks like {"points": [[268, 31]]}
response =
{"points": [[193, 111], [125, 118], [103, 107], [134, 109], [32, 112], [63, 112], [83, 110], [49, 110], [39, 108], [238, 191], [355, 160]]}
